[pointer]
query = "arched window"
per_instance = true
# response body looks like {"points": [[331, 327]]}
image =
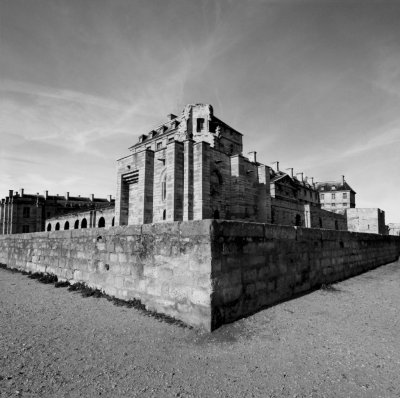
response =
{"points": [[298, 220], [320, 222], [164, 188], [164, 214], [49, 227], [57, 226], [102, 222], [113, 221], [216, 214], [76, 225], [66, 225], [84, 223]]}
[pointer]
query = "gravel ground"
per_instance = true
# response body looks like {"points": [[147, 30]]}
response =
{"points": [[340, 342]]}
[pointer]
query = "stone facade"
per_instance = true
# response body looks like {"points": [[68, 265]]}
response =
{"points": [[394, 229], [21, 212], [191, 167], [366, 220]]}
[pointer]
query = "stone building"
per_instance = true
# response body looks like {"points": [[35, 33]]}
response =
{"points": [[394, 229], [369, 220], [21, 212], [191, 167], [336, 196]]}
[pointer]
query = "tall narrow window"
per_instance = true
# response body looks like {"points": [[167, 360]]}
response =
{"points": [[164, 214], [164, 188], [26, 212], [200, 124], [333, 196]]}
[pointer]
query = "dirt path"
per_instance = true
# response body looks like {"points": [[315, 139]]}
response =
{"points": [[344, 343]]}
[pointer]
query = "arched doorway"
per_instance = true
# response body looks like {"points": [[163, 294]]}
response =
{"points": [[66, 225], [84, 223], [102, 222], [76, 225], [57, 226], [48, 227]]}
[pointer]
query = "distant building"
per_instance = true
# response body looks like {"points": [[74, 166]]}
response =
{"points": [[336, 196], [394, 229], [366, 220], [22, 213]]}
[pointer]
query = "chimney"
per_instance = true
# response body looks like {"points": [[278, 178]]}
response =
{"points": [[10, 193], [46, 194], [253, 156], [67, 195], [291, 171], [109, 197], [301, 175], [91, 197], [342, 180], [277, 165], [21, 192]]}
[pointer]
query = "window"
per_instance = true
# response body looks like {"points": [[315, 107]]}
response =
{"points": [[164, 214], [170, 139], [333, 196], [102, 222], [113, 221], [84, 223], [26, 212], [322, 196], [66, 225], [25, 229], [344, 204], [200, 124], [76, 225], [345, 195], [297, 220], [164, 188], [49, 227], [58, 226], [333, 204], [159, 145]]}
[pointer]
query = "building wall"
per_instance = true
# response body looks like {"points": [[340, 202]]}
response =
{"points": [[366, 220], [394, 229], [204, 273], [74, 220]]}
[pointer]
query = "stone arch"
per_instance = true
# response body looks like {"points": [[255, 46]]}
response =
{"points": [[84, 223], [101, 223], [66, 225], [76, 224], [49, 227], [57, 228]]}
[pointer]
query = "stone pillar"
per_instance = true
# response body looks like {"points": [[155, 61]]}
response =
{"points": [[175, 180], [188, 181], [201, 181], [264, 195], [307, 216]]}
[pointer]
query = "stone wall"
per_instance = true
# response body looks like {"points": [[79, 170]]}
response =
{"points": [[256, 265], [205, 273], [167, 266]]}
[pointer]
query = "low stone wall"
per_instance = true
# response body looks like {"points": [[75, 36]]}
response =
{"points": [[167, 266], [204, 273], [256, 265]]}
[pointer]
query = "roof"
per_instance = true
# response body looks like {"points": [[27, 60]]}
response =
{"points": [[334, 186]]}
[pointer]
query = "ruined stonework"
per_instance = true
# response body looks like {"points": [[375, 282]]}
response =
{"points": [[191, 168]]}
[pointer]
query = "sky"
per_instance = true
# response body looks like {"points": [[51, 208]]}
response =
{"points": [[314, 85]]}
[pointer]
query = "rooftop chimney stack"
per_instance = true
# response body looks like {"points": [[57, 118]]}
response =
{"points": [[46, 194], [342, 180], [301, 176], [67, 195], [277, 165], [291, 171], [91, 197], [10, 193], [109, 197], [21, 192], [253, 156]]}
